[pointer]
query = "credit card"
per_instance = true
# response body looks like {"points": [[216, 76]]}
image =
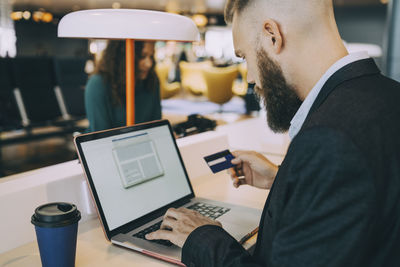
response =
{"points": [[220, 161]]}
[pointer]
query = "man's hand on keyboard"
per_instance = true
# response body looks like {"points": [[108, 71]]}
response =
{"points": [[178, 224]]}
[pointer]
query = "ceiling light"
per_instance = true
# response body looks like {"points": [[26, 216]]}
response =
{"points": [[16, 15], [47, 17], [26, 15], [200, 20], [37, 16], [213, 20], [93, 48]]}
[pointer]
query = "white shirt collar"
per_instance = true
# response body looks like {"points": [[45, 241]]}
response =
{"points": [[301, 114]]}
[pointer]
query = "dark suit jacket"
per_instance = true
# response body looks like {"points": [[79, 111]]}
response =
{"points": [[336, 198]]}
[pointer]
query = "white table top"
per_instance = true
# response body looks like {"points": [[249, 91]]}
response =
{"points": [[94, 250]]}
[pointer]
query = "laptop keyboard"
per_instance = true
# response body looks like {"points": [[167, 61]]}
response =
{"points": [[207, 210], [150, 229]]}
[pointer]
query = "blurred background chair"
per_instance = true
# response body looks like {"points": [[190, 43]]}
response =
{"points": [[34, 77], [240, 86], [71, 78], [30, 101], [192, 76], [167, 90], [219, 82], [10, 117]]}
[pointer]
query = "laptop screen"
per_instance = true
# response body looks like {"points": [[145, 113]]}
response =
{"points": [[135, 173]]}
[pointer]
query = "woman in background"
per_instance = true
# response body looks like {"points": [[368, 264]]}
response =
{"points": [[105, 95]]}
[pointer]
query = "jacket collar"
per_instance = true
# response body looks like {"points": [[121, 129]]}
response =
{"points": [[351, 71]]}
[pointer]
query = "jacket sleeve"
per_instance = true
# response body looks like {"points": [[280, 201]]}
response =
{"points": [[210, 245], [325, 194]]}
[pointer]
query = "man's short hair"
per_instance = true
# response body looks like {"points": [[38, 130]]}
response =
{"points": [[234, 6]]}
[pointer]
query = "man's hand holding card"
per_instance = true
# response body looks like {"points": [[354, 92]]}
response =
{"points": [[245, 167]]}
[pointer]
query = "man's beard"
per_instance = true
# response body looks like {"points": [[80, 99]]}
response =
{"points": [[279, 97]]}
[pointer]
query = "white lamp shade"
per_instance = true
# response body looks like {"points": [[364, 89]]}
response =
{"points": [[127, 24]]}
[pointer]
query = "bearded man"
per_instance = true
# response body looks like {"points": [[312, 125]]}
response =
{"points": [[335, 200]]}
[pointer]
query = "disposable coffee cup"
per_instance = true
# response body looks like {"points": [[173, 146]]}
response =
{"points": [[56, 226]]}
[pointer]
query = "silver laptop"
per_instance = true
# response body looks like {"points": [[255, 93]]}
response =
{"points": [[135, 175]]}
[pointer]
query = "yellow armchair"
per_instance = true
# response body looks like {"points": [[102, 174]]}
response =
{"points": [[192, 76], [219, 83], [167, 89]]}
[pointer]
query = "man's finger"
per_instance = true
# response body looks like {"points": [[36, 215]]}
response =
{"points": [[238, 182], [168, 223], [173, 213], [243, 156], [239, 170], [160, 234], [236, 160], [232, 173], [235, 183]]}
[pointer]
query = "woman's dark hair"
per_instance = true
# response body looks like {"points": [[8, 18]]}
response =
{"points": [[112, 68]]}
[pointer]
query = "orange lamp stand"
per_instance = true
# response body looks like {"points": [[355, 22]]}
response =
{"points": [[130, 82]]}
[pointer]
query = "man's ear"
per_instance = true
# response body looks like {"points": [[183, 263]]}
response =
{"points": [[273, 35]]}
